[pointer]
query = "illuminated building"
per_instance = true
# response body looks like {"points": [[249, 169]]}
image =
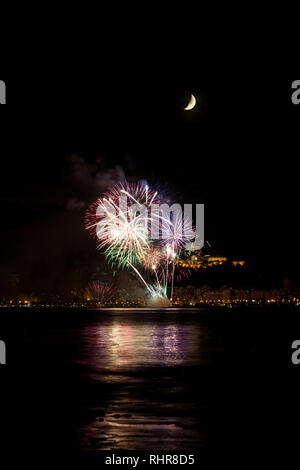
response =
{"points": [[202, 262]]}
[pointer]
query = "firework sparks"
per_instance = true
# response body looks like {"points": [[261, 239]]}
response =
{"points": [[121, 222], [180, 232], [153, 258], [99, 291], [123, 234]]}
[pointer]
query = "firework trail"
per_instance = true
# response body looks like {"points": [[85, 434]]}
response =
{"points": [[121, 221], [180, 232], [121, 224], [122, 232]]}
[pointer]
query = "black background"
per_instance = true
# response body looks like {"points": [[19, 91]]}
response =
{"points": [[237, 153]]}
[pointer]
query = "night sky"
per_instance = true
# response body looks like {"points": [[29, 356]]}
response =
{"points": [[236, 152]]}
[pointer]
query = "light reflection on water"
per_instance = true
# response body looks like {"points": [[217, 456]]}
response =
{"points": [[119, 346], [144, 401], [150, 380]]}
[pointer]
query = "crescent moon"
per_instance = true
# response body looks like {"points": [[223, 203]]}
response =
{"points": [[191, 104]]}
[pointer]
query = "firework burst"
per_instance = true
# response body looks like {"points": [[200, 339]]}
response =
{"points": [[99, 291], [179, 232], [152, 258], [120, 224], [123, 221]]}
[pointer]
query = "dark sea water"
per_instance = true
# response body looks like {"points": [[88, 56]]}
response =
{"points": [[162, 379]]}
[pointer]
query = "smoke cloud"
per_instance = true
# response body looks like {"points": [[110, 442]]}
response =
{"points": [[55, 252]]}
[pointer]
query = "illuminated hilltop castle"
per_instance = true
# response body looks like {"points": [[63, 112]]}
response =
{"points": [[198, 261]]}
